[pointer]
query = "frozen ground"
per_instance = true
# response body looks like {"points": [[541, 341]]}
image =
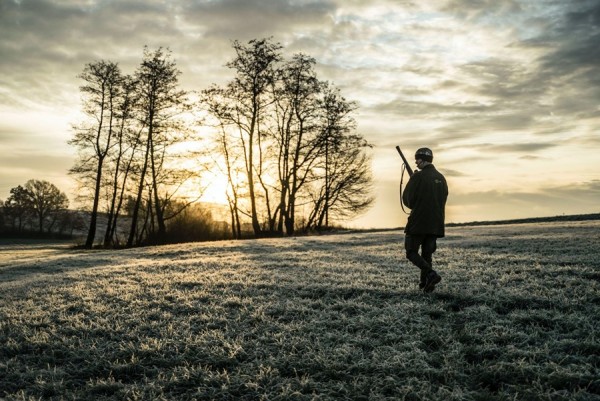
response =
{"points": [[309, 318]]}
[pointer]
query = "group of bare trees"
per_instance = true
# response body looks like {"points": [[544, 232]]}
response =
{"points": [[287, 141], [284, 139], [38, 206], [124, 163]]}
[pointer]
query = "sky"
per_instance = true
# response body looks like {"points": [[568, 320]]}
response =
{"points": [[505, 92]]}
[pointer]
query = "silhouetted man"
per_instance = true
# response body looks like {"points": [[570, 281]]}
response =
{"points": [[425, 194]]}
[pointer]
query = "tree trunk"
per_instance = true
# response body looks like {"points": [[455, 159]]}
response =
{"points": [[250, 172], [89, 242], [162, 229], [136, 207]]}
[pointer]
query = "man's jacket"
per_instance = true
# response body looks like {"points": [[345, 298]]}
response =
{"points": [[426, 194]]}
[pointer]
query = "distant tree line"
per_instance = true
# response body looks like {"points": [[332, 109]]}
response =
{"points": [[38, 208], [284, 139]]}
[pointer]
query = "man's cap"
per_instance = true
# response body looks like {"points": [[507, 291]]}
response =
{"points": [[424, 154]]}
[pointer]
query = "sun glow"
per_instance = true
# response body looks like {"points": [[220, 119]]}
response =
{"points": [[216, 187]]}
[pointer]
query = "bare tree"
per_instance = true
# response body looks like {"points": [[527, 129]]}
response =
{"points": [[242, 106], [126, 144], [94, 138], [297, 136], [344, 176], [233, 192], [347, 192], [161, 102]]}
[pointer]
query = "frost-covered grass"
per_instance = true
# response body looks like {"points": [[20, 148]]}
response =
{"points": [[517, 316]]}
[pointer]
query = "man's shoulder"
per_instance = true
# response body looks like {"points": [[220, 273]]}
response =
{"points": [[430, 173], [433, 170], [430, 170]]}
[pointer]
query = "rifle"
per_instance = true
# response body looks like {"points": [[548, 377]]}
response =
{"points": [[410, 170], [410, 173]]}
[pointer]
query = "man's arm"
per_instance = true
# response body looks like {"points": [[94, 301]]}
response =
{"points": [[408, 194]]}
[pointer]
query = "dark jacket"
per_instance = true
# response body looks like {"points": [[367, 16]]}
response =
{"points": [[426, 194]]}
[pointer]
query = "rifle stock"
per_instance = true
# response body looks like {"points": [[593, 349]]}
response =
{"points": [[408, 168]]}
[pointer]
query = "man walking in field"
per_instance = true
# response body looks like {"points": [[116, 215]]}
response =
{"points": [[425, 194]]}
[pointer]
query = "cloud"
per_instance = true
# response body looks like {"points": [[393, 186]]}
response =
{"points": [[452, 173], [487, 10], [18, 165], [536, 72], [44, 44], [527, 149], [244, 20], [569, 196], [577, 198], [569, 70], [576, 34]]}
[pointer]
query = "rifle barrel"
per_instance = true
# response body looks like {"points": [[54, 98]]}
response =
{"points": [[408, 168]]}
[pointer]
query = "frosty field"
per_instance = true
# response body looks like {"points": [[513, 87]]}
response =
{"points": [[337, 317]]}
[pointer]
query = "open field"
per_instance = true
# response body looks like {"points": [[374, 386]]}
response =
{"points": [[516, 317]]}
